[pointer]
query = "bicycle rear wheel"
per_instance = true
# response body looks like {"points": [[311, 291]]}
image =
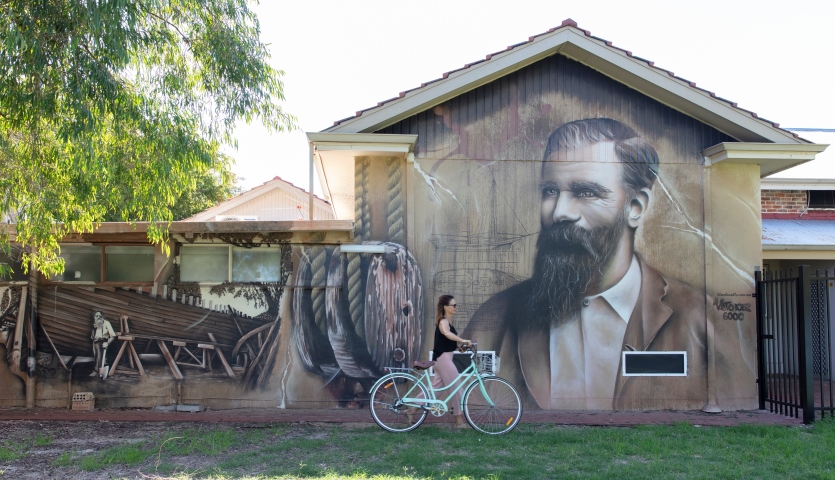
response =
{"points": [[387, 407], [500, 417]]}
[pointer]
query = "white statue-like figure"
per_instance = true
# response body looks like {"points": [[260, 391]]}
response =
{"points": [[103, 335]]}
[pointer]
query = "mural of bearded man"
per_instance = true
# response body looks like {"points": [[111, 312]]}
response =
{"points": [[592, 296]]}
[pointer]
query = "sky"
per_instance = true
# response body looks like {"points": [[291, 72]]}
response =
{"points": [[775, 58]]}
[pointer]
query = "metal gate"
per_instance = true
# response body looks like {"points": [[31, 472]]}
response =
{"points": [[794, 340]]}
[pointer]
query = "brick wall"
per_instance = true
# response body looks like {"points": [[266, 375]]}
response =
{"points": [[791, 205], [783, 201]]}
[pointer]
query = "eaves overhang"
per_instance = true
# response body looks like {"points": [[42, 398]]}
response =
{"points": [[123, 232], [334, 154], [771, 157], [797, 184]]}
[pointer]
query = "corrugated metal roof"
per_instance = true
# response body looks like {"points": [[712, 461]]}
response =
{"points": [[799, 232]]}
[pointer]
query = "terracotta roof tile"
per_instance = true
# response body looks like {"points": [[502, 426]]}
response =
{"points": [[570, 24]]}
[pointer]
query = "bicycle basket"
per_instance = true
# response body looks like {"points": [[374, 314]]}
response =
{"points": [[487, 362]]}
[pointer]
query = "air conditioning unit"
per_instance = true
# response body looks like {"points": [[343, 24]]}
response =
{"points": [[236, 218]]}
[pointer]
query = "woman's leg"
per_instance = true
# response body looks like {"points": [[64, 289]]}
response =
{"points": [[445, 369]]}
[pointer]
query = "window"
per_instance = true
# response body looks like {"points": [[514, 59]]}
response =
{"points": [[130, 264], [256, 264], [217, 264], [83, 263], [821, 198], [200, 263]]}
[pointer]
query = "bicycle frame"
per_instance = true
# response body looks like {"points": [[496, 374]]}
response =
{"points": [[464, 379]]}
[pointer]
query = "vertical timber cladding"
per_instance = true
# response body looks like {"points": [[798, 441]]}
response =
{"points": [[564, 211]]}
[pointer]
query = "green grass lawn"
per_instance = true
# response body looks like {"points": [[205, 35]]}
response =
{"points": [[530, 451]]}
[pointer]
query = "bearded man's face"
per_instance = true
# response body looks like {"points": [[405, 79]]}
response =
{"points": [[584, 210], [569, 261]]}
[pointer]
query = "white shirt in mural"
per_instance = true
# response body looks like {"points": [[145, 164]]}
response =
{"points": [[585, 352]]}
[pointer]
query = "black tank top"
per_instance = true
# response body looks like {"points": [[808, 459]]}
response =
{"points": [[443, 344]]}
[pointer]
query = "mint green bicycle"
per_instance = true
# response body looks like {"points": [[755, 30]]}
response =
{"points": [[490, 404]]}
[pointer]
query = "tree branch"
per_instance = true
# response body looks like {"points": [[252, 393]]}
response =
{"points": [[167, 22]]}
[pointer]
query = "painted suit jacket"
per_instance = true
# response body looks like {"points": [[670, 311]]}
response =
{"points": [[669, 316]]}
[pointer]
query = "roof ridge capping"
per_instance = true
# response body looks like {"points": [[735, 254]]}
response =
{"points": [[570, 23]]}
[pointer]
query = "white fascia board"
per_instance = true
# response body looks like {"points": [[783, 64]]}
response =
{"points": [[771, 157], [797, 184], [754, 151], [363, 147], [361, 141], [653, 82]]}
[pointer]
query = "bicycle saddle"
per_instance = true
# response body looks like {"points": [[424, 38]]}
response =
{"points": [[422, 365]]}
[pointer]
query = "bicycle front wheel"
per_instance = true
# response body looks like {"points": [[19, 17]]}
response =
{"points": [[498, 412], [387, 406]]}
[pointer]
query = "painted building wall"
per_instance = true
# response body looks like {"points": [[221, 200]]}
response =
{"points": [[519, 227], [477, 212], [471, 210]]}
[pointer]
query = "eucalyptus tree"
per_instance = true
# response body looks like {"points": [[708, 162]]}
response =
{"points": [[119, 107]]}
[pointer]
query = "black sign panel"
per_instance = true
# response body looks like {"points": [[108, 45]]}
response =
{"points": [[654, 363]]}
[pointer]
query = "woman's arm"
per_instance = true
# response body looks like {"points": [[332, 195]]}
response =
{"points": [[444, 326]]}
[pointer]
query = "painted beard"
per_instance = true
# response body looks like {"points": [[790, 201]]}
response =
{"points": [[569, 260]]}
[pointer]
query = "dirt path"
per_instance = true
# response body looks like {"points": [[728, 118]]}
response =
{"points": [[80, 450]]}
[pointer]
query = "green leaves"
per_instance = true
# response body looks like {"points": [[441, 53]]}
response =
{"points": [[114, 109]]}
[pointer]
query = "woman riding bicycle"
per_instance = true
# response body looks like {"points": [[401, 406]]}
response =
{"points": [[446, 342]]}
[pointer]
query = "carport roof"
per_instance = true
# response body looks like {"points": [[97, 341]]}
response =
{"points": [[798, 234]]}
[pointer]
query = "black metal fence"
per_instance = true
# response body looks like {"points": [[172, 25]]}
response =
{"points": [[794, 339]]}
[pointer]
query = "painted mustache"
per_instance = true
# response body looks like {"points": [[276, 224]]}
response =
{"points": [[569, 259]]}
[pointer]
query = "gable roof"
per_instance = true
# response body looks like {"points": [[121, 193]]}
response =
{"points": [[298, 195], [573, 42]]}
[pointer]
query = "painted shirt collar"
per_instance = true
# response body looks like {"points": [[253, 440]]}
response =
{"points": [[623, 296]]}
